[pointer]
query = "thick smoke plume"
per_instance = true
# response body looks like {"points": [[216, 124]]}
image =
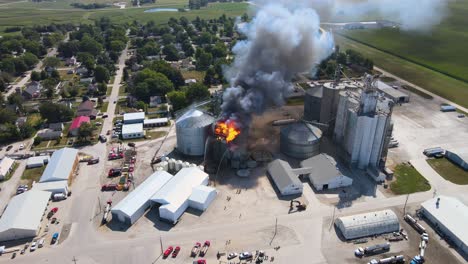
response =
{"points": [[284, 38], [281, 42]]}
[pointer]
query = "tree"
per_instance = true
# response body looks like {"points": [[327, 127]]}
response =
{"points": [[69, 48], [88, 44], [55, 112], [197, 92], [44, 75], [205, 38], [171, 53], [7, 116], [85, 131], [174, 75], [25, 131], [210, 76], [178, 100], [101, 74], [30, 59], [219, 50], [35, 76], [204, 60], [15, 99], [102, 88], [37, 141], [140, 105], [168, 39], [87, 59], [187, 48], [20, 65], [116, 45], [51, 62]]}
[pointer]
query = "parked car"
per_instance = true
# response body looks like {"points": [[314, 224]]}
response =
{"points": [[21, 147], [59, 196], [33, 246], [41, 243], [98, 124], [461, 116], [93, 161], [53, 220], [105, 115], [168, 251], [13, 255], [22, 251], [114, 172], [131, 144], [176, 252], [232, 255], [109, 187], [245, 255], [52, 212], [9, 147], [200, 261], [55, 237]]}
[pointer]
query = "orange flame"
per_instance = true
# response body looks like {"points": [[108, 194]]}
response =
{"points": [[226, 130]]}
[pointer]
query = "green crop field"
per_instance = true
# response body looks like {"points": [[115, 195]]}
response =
{"points": [[29, 14], [443, 49]]}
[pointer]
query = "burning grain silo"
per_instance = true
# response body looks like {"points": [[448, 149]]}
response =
{"points": [[300, 140], [192, 130]]}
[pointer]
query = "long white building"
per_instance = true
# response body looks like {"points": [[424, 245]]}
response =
{"points": [[363, 127], [174, 196]]}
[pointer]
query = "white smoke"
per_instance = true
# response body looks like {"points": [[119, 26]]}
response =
{"points": [[280, 42]]}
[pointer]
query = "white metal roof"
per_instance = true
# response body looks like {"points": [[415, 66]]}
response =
{"points": [[394, 93], [25, 211], [156, 120], [178, 190], [201, 193], [37, 160], [142, 194], [60, 165], [451, 213], [368, 224], [194, 118], [132, 128], [5, 165], [368, 218], [134, 116], [47, 186]]}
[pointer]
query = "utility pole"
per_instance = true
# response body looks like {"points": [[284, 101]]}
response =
{"points": [[276, 230], [74, 259], [160, 241], [404, 208]]}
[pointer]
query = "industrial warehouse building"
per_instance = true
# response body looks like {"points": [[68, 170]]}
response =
{"points": [[449, 216], [61, 166], [134, 118], [174, 196], [23, 215], [396, 95], [192, 131], [201, 197], [458, 157], [286, 181], [6, 165], [53, 187], [324, 173], [132, 131], [38, 161], [368, 224], [134, 205], [155, 122]]}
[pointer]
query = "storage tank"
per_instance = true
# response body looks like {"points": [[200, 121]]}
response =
{"points": [[312, 103], [192, 130], [300, 140], [172, 165]]}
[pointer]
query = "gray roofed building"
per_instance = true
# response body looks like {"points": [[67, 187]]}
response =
{"points": [[38, 161], [61, 165], [396, 95], [324, 173], [56, 126], [23, 215], [285, 179], [458, 157], [132, 118], [33, 90]]}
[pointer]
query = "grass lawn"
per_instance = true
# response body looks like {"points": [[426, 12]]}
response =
{"points": [[104, 107], [8, 176], [295, 101], [387, 79], [408, 180], [109, 90], [31, 175], [418, 92], [197, 75], [438, 83], [123, 90], [450, 171]]}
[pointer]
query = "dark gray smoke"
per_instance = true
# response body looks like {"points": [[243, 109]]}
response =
{"points": [[281, 42]]}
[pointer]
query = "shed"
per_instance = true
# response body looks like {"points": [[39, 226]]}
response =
{"points": [[49, 134], [23, 215], [155, 122], [52, 187], [38, 161], [324, 173], [368, 224], [174, 195], [134, 205], [458, 157], [285, 179], [396, 95], [201, 197], [76, 124], [132, 131], [6, 165], [133, 118], [450, 217], [61, 165]]}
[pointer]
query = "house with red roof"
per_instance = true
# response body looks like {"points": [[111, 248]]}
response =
{"points": [[76, 124]]}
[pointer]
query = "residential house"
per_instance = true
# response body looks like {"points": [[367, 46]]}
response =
{"points": [[56, 126], [82, 71], [86, 108], [20, 121], [76, 124], [87, 80], [190, 81], [49, 134], [6, 165], [71, 61], [33, 90], [155, 101], [92, 88]]}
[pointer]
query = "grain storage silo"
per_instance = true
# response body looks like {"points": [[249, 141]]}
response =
{"points": [[300, 140], [312, 103], [192, 130]]}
